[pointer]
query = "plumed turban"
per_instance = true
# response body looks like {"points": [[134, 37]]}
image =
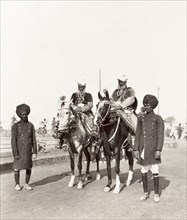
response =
{"points": [[151, 100], [122, 78], [62, 98], [81, 82], [22, 108]]}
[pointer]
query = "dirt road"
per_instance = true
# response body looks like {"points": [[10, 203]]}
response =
{"points": [[52, 199]]}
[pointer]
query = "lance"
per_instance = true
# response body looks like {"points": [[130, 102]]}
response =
{"points": [[100, 80]]}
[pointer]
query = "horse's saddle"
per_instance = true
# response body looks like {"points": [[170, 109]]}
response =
{"points": [[113, 116], [88, 123]]}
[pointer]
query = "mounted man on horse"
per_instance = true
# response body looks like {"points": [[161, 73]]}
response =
{"points": [[117, 121], [125, 104], [82, 103], [76, 127]]}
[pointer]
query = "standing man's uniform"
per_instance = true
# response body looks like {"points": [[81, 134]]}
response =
{"points": [[24, 145], [149, 141]]}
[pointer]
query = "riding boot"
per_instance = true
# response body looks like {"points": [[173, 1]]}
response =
{"points": [[64, 143], [145, 187], [156, 187], [58, 144]]}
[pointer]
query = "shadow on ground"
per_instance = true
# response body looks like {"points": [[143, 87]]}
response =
{"points": [[164, 182]]}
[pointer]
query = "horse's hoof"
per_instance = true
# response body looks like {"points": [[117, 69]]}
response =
{"points": [[80, 185], [116, 190], [98, 177], [70, 184], [87, 178], [128, 183], [106, 189]]}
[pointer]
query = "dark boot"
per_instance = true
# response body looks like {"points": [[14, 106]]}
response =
{"points": [[145, 187], [17, 177], [27, 178], [156, 186]]}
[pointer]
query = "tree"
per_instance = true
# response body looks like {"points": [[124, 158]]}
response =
{"points": [[1, 128], [13, 120], [170, 120]]}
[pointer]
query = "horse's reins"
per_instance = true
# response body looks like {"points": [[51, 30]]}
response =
{"points": [[115, 130], [103, 118]]}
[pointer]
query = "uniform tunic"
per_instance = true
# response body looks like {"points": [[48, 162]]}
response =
{"points": [[122, 94], [83, 98], [23, 144], [150, 137], [127, 98]]}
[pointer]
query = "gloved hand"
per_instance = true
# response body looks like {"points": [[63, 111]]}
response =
{"points": [[136, 154], [17, 157], [157, 155]]}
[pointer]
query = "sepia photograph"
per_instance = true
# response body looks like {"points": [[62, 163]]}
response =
{"points": [[93, 118]]}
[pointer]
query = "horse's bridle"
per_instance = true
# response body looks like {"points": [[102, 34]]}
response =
{"points": [[104, 117]]}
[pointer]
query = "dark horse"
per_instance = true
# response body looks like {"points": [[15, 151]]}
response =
{"points": [[79, 142], [114, 135]]}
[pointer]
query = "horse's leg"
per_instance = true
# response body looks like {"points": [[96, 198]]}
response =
{"points": [[131, 162], [123, 154], [97, 157], [80, 183], [108, 162], [72, 163], [117, 170], [87, 154]]}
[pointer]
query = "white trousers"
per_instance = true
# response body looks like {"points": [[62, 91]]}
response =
{"points": [[153, 167]]}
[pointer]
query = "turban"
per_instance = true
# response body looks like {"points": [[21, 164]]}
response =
{"points": [[81, 82], [62, 98], [122, 78], [151, 100], [22, 108]]}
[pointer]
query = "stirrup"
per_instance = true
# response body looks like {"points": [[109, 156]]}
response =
{"points": [[125, 144]]}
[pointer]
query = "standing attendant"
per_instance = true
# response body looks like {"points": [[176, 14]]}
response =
{"points": [[24, 146], [149, 141], [179, 131]]}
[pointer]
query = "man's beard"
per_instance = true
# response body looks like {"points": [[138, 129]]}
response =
{"points": [[25, 119], [122, 86]]}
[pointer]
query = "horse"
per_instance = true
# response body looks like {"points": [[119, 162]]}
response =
{"points": [[115, 135], [79, 141]]}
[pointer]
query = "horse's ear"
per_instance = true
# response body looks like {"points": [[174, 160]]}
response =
{"points": [[135, 104], [100, 96], [107, 94], [73, 111]]}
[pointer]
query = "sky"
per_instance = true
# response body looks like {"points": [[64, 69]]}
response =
{"points": [[47, 46]]}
